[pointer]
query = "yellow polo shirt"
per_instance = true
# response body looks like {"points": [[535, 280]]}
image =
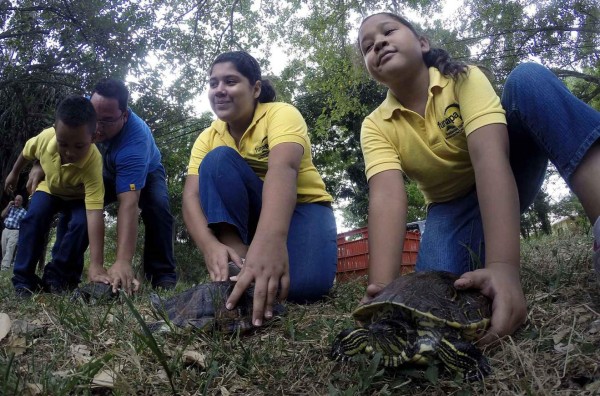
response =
{"points": [[79, 180], [273, 123], [432, 150]]}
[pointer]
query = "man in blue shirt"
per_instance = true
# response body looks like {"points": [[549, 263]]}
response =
{"points": [[135, 178], [12, 215]]}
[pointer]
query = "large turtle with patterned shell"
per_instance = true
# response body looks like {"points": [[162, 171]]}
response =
{"points": [[418, 318]]}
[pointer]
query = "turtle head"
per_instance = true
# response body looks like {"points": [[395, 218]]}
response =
{"points": [[349, 342]]}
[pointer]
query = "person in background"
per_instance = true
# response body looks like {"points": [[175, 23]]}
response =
{"points": [[12, 214], [252, 195], [478, 160], [73, 186], [135, 178]]}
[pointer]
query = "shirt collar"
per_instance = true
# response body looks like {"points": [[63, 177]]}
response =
{"points": [[259, 112], [391, 104]]}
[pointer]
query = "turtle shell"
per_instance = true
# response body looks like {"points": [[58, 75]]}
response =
{"points": [[430, 299], [203, 307], [94, 293]]}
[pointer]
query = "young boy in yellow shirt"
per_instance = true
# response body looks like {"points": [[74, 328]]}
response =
{"points": [[73, 186]]}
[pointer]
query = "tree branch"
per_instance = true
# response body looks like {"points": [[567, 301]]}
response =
{"points": [[7, 35], [572, 73]]}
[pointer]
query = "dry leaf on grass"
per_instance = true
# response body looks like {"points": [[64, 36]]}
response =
{"points": [[22, 327], [33, 390], [564, 348], [224, 391], [162, 375], [62, 373], [193, 357], [558, 337], [595, 327], [81, 354], [17, 345], [106, 378], [4, 325]]}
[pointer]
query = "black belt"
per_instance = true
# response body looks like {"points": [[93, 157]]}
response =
{"points": [[327, 204], [8, 228]]}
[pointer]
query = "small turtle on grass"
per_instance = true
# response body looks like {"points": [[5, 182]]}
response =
{"points": [[94, 293], [420, 317], [203, 307]]}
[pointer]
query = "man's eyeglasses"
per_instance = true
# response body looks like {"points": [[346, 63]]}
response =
{"points": [[106, 123]]}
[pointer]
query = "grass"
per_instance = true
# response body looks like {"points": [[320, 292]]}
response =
{"points": [[73, 349]]}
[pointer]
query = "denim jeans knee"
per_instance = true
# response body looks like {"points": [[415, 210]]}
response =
{"points": [[454, 238], [230, 191], [312, 251], [545, 121]]}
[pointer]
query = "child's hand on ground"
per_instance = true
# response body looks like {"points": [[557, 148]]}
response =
{"points": [[501, 283], [121, 276], [217, 260], [266, 266], [97, 273]]}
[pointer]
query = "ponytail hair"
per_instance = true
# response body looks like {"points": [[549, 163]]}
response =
{"points": [[248, 66], [441, 60], [267, 92], [436, 57]]}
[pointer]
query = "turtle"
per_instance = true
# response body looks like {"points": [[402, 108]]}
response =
{"points": [[94, 293], [418, 318], [203, 308]]}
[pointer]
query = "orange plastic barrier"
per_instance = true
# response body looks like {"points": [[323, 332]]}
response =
{"points": [[353, 253]]}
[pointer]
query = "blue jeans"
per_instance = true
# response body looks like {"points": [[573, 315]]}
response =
{"points": [[64, 271], [159, 259], [230, 192], [545, 122]]}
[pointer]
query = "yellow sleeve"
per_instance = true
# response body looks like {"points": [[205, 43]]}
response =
{"points": [[286, 125], [34, 146], [94, 183], [479, 103], [378, 151], [199, 150]]}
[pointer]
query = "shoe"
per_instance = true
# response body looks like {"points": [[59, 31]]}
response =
{"points": [[55, 288], [24, 293], [596, 258]]}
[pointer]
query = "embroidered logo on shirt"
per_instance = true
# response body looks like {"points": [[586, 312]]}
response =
{"points": [[132, 187], [263, 150], [452, 124]]}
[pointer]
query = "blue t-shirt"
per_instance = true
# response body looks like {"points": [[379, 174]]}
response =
{"points": [[130, 156]]}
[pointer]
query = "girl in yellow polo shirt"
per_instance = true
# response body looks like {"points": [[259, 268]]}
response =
{"points": [[479, 161], [253, 196]]}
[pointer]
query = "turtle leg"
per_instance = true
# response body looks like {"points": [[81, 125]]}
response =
{"points": [[462, 356]]}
